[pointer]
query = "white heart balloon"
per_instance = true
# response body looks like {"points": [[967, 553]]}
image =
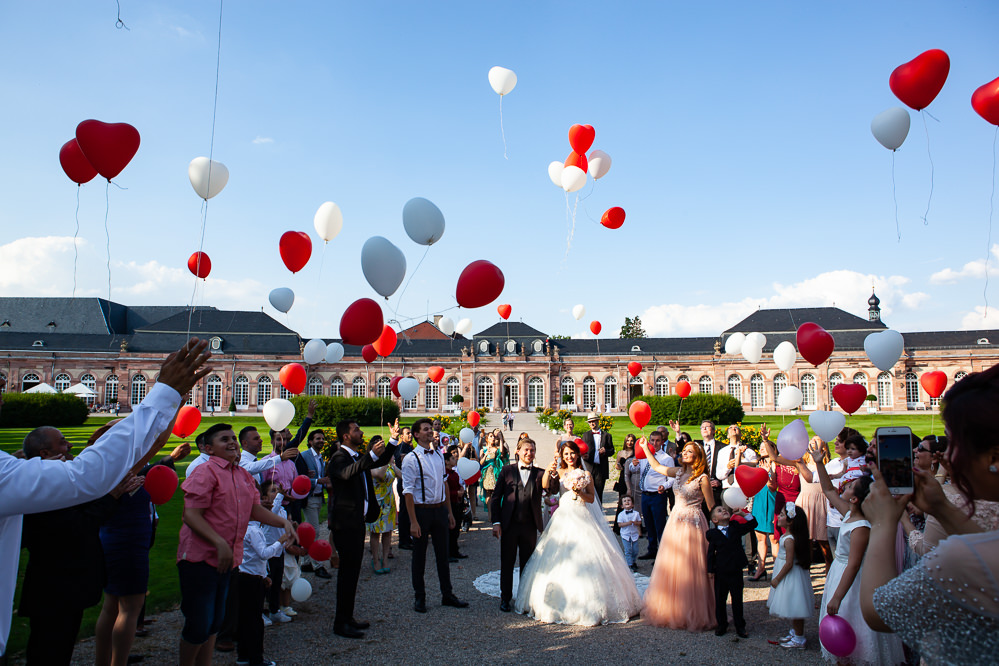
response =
{"points": [[328, 221], [599, 163], [383, 265], [282, 298], [733, 345], [314, 352], [467, 468], [407, 388], [758, 340], [208, 177], [465, 435], [751, 352], [334, 352], [423, 221], [884, 349], [555, 172], [573, 179], [792, 442], [789, 398], [578, 311], [464, 327], [785, 356], [278, 413], [827, 425], [735, 498], [502, 80], [446, 325], [891, 127]]}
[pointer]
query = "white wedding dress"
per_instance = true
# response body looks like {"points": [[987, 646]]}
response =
{"points": [[577, 574]]}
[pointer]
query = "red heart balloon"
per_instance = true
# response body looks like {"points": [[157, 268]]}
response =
{"points": [[75, 163], [385, 344], [739, 519], [933, 383], [595, 327], [814, 343], [188, 420], [306, 535], [918, 81], [849, 396], [634, 368], [368, 353], [472, 480], [640, 413], [504, 310], [320, 550], [295, 248], [479, 284], [109, 147], [394, 385], [613, 218], [751, 479], [583, 447], [361, 323], [474, 418], [435, 373], [199, 264], [293, 378], [581, 137], [683, 388], [985, 102], [640, 452], [161, 484], [577, 160]]}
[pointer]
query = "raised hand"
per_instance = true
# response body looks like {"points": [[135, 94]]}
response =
{"points": [[312, 408], [765, 432], [394, 429], [182, 369], [379, 448]]}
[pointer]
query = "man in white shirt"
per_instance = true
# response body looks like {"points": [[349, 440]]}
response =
{"points": [[732, 455], [654, 487], [711, 451], [202, 458], [36, 485]]}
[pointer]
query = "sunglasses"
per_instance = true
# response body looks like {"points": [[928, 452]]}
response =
{"points": [[923, 449]]}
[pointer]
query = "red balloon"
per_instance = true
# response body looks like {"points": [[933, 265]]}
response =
{"points": [[918, 81], [634, 368], [301, 485], [394, 386], [613, 218], [188, 420], [474, 478], [320, 550], [295, 248], [583, 447], [385, 344], [577, 160], [985, 102], [479, 284], [849, 396], [504, 310], [595, 327], [738, 519], [933, 383], [814, 343], [109, 147], [75, 163], [640, 452], [474, 418], [640, 413], [293, 378], [435, 373], [306, 535], [361, 323], [683, 388], [199, 264], [368, 353], [751, 479], [161, 484], [581, 137]]}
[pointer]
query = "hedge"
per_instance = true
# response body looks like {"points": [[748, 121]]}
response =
{"points": [[717, 407], [332, 410], [30, 410]]}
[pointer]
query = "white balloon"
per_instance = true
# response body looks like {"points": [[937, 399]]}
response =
{"points": [[467, 468], [827, 425], [599, 163], [407, 388], [301, 590], [465, 435], [785, 355], [314, 352], [884, 348], [502, 80], [789, 398], [891, 127], [328, 221], [735, 498], [792, 442], [446, 325], [751, 352], [464, 326], [734, 343], [208, 177], [758, 339], [423, 221], [383, 265], [555, 172], [578, 311], [282, 299], [573, 179], [334, 352], [278, 413]]}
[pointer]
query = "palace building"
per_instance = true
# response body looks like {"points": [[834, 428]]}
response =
{"points": [[116, 350]]}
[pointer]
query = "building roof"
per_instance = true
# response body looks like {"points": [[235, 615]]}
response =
{"points": [[425, 330], [625, 346], [510, 329], [80, 316], [787, 320]]}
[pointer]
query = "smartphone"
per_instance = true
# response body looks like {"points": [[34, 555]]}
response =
{"points": [[895, 459]]}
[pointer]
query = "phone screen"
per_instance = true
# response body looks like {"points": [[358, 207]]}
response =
{"points": [[895, 461]]}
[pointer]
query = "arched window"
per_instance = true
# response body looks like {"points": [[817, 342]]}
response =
{"points": [[358, 388], [959, 376], [263, 391], [911, 389], [284, 393], [28, 381], [384, 387], [511, 393], [704, 384], [3, 382], [535, 393], [453, 388], [62, 382], [568, 389], [757, 391], [432, 393], [835, 379], [484, 393], [780, 383], [213, 392], [337, 387], [662, 385], [860, 378], [138, 389], [90, 382], [734, 386], [884, 391], [808, 393], [589, 393], [610, 393], [315, 385], [110, 390], [241, 392]]}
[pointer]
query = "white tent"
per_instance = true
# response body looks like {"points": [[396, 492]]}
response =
{"points": [[81, 390], [42, 388]]}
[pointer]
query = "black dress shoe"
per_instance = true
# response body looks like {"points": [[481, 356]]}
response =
{"points": [[405, 546], [323, 573], [420, 606], [505, 606], [720, 631], [347, 631], [358, 624], [741, 633], [452, 560], [307, 568], [454, 602]]}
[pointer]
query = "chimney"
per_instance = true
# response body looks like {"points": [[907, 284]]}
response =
{"points": [[437, 320]]}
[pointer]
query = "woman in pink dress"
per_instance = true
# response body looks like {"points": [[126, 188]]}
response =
{"points": [[680, 595]]}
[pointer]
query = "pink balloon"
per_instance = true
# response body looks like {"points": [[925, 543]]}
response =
{"points": [[837, 635]]}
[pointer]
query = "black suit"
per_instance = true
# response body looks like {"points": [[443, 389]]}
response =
{"points": [[726, 560], [517, 509], [599, 471], [711, 466], [351, 481], [405, 538]]}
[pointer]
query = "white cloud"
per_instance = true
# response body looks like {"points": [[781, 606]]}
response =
{"points": [[39, 266], [972, 269], [262, 139], [980, 319]]}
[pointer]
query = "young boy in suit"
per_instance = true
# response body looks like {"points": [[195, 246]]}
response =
{"points": [[726, 562]]}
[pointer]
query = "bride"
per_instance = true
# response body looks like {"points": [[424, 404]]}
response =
{"points": [[577, 574]]}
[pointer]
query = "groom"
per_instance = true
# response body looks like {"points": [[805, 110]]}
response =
{"points": [[515, 509]]}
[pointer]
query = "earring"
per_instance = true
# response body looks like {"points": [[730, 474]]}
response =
{"points": [[993, 469]]}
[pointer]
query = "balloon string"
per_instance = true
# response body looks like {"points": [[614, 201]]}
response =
{"points": [[894, 198], [930, 156], [502, 132], [204, 219], [75, 235], [107, 247], [988, 243], [570, 222], [398, 301], [119, 23], [319, 277]]}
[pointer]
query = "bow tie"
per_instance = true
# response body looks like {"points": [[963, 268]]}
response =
{"points": [[526, 469]]}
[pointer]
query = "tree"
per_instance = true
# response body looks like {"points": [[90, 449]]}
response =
{"points": [[560, 337], [632, 328]]}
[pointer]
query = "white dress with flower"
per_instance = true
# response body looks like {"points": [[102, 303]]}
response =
{"points": [[577, 574]]}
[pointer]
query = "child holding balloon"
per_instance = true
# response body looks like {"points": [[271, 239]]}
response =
{"points": [[791, 587]]}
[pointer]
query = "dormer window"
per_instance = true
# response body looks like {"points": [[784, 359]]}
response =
{"points": [[537, 346], [983, 341], [483, 347], [51, 325], [511, 346], [38, 343], [215, 343], [5, 323], [635, 349]]}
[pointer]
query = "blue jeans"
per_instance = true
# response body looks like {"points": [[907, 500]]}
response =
{"points": [[630, 551], [202, 600], [654, 516]]}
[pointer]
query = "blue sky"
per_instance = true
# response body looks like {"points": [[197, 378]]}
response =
{"points": [[739, 134]]}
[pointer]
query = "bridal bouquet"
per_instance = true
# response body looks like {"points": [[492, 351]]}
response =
{"points": [[577, 480]]}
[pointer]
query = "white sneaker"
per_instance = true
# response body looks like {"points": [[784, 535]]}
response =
{"points": [[787, 639], [267, 620], [289, 611], [796, 643], [280, 617]]}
